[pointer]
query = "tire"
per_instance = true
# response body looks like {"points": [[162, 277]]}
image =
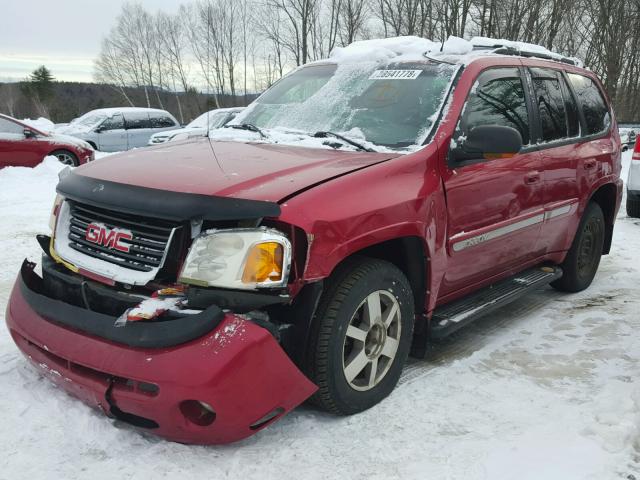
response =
{"points": [[66, 157], [357, 286], [633, 207], [583, 258]]}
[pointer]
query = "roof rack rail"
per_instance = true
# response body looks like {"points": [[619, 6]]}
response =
{"points": [[509, 50]]}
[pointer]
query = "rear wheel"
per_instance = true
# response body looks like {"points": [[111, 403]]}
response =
{"points": [[66, 157], [583, 258], [361, 336], [633, 207]]}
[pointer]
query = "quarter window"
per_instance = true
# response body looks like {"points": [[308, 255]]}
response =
{"points": [[594, 108], [551, 105], [497, 98], [161, 121]]}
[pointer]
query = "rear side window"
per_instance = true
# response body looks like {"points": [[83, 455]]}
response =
{"points": [[595, 109], [550, 103], [497, 98], [158, 120], [137, 120]]}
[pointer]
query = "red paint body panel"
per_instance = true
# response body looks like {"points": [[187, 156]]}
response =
{"points": [[29, 152], [239, 369]]}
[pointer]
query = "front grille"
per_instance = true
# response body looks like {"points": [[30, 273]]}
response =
{"points": [[150, 240]]}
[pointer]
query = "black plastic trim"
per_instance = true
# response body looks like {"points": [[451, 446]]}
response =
{"points": [[151, 334], [164, 204]]}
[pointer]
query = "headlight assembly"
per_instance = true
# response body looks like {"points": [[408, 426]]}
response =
{"points": [[238, 258]]}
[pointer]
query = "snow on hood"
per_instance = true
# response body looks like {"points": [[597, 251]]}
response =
{"points": [[59, 137], [287, 136], [43, 124]]}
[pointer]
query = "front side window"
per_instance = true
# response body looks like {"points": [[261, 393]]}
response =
{"points": [[137, 120], [116, 122], [550, 103], [594, 108], [7, 126], [392, 105], [497, 98]]}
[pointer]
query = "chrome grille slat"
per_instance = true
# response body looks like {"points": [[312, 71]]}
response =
{"points": [[147, 248]]}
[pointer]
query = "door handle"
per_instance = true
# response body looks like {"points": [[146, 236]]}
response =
{"points": [[590, 164], [532, 177]]}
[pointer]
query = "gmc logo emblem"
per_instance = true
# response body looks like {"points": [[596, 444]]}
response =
{"points": [[101, 235]]}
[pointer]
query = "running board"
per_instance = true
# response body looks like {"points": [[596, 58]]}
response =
{"points": [[452, 316]]}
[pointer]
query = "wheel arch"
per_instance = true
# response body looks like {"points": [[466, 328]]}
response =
{"points": [[606, 198]]}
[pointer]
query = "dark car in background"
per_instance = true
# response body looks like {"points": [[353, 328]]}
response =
{"points": [[24, 146]]}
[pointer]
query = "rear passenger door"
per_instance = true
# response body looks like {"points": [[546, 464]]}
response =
{"points": [[138, 128], [494, 206], [574, 149]]}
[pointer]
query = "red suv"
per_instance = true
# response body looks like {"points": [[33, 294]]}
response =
{"points": [[24, 146], [360, 208]]}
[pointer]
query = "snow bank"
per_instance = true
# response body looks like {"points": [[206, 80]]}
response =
{"points": [[543, 389]]}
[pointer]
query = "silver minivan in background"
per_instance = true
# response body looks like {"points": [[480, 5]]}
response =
{"points": [[117, 129], [198, 127]]}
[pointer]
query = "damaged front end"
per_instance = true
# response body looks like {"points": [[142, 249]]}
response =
{"points": [[145, 318]]}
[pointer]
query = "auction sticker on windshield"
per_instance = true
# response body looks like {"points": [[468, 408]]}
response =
{"points": [[395, 74]]}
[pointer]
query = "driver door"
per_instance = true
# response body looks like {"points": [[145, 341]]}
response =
{"points": [[15, 148], [495, 206], [113, 135]]}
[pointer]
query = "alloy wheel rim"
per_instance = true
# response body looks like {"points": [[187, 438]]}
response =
{"points": [[65, 159], [371, 340]]}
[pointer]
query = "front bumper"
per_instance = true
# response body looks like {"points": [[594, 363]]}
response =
{"points": [[238, 369]]}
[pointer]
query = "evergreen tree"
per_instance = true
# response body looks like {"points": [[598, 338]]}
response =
{"points": [[39, 88]]}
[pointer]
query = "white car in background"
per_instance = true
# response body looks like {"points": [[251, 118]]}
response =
{"points": [[633, 183], [627, 137], [117, 129], [198, 127]]}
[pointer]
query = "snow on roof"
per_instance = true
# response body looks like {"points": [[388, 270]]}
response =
{"points": [[112, 110], [453, 50]]}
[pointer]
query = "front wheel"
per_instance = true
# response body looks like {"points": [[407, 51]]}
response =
{"points": [[361, 336], [66, 157], [583, 258]]}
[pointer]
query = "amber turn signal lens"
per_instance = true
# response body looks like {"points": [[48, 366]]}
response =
{"points": [[264, 262]]}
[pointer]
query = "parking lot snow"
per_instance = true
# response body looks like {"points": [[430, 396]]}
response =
{"points": [[546, 388]]}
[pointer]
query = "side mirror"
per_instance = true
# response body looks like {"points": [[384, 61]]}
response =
{"points": [[99, 129], [28, 133], [488, 142]]}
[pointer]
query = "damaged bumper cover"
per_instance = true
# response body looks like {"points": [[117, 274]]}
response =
{"points": [[225, 380]]}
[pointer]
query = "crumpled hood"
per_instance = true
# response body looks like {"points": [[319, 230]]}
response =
{"points": [[251, 171]]}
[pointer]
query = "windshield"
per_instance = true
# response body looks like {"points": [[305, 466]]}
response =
{"points": [[90, 119], [215, 120], [393, 105]]}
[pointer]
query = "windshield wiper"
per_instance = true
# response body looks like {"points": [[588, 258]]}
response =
{"points": [[247, 126], [359, 146]]}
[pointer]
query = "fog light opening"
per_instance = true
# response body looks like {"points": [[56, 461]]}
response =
{"points": [[269, 417], [197, 412]]}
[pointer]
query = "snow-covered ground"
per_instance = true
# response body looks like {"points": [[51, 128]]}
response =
{"points": [[547, 388]]}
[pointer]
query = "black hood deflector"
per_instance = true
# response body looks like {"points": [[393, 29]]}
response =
{"points": [[167, 205]]}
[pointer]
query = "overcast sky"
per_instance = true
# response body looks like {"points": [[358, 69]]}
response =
{"points": [[64, 35]]}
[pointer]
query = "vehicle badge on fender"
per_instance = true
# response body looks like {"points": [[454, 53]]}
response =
{"points": [[110, 238]]}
